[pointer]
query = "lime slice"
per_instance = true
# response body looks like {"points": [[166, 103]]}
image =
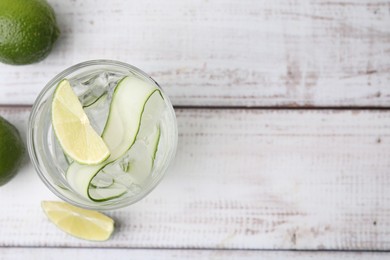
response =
{"points": [[80, 223], [73, 130], [135, 109]]}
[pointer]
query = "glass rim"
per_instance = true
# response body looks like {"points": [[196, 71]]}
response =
{"points": [[33, 154]]}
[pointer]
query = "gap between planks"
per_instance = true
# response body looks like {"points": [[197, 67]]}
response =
{"points": [[250, 107], [286, 107], [98, 253], [207, 249]]}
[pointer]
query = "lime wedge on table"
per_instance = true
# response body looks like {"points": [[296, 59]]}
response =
{"points": [[73, 130], [81, 223]]}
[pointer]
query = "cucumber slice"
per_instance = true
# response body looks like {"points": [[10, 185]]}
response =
{"points": [[115, 190], [97, 101], [103, 182], [135, 109], [129, 171], [154, 144]]}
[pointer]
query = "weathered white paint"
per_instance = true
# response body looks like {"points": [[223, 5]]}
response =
{"points": [[242, 179], [134, 254], [229, 53]]}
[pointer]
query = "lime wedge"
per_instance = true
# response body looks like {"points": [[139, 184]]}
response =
{"points": [[80, 223], [73, 130]]}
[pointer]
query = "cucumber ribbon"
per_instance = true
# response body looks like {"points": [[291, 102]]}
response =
{"points": [[132, 128]]}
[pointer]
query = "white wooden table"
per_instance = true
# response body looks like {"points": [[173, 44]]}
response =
{"points": [[283, 111]]}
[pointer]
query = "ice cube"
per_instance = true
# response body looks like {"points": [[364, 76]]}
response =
{"points": [[95, 90], [92, 86]]}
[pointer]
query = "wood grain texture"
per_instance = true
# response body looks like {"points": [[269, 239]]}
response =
{"points": [[242, 179], [227, 53], [134, 254]]}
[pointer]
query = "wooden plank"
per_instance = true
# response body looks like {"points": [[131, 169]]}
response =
{"points": [[104, 254], [242, 179], [227, 53]]}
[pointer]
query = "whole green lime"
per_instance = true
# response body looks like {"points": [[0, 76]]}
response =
{"points": [[28, 30], [11, 151]]}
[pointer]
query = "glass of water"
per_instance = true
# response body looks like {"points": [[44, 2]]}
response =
{"points": [[123, 181]]}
